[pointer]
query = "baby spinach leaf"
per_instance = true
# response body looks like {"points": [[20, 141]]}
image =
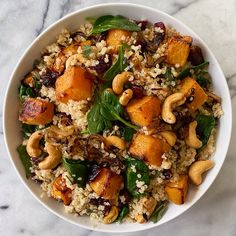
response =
{"points": [[27, 130], [127, 133], [25, 159], [105, 110], [136, 172], [108, 22], [77, 169], [25, 91], [158, 212], [86, 50], [201, 78], [117, 67], [205, 124], [123, 213], [190, 71]]}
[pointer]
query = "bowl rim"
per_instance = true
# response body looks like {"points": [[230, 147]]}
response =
{"points": [[41, 35]]}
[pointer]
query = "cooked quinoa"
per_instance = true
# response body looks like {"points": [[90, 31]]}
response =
{"points": [[115, 119]]}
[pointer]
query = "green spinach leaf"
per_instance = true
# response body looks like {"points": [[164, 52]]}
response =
{"points": [[127, 133], [136, 176], [105, 110], [108, 22], [117, 67], [205, 124], [202, 79], [190, 71], [27, 130], [123, 213], [25, 159], [26, 91], [158, 212], [77, 169]]}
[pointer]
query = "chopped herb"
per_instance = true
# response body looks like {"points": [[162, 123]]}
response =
{"points": [[86, 50]]}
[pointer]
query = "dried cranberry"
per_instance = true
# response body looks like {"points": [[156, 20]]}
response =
{"points": [[65, 119], [102, 36], [102, 66], [138, 92], [143, 24], [159, 36], [99, 201], [126, 196], [94, 170], [167, 174], [49, 78], [195, 55]]}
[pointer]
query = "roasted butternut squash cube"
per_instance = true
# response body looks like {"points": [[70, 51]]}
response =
{"points": [[178, 49], [70, 50], [36, 111], [75, 84], [116, 37], [142, 111], [194, 93], [28, 80], [60, 191], [177, 191], [107, 184], [149, 149]]}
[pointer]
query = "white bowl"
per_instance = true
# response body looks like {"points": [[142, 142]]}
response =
{"points": [[72, 21]]}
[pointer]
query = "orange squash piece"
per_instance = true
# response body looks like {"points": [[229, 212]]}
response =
{"points": [[70, 50], [149, 149], [142, 111], [60, 191], [194, 93], [107, 184], [36, 111], [178, 49], [177, 191], [75, 84], [116, 37]]}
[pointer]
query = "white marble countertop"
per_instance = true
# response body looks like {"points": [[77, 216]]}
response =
{"points": [[21, 21]]}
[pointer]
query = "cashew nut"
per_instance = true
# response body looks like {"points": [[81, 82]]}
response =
{"points": [[32, 146], [53, 158], [125, 97], [192, 140], [197, 169], [169, 136], [112, 215], [116, 142], [172, 101], [119, 81]]}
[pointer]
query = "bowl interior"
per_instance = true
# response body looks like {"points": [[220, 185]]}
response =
{"points": [[72, 22]]}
